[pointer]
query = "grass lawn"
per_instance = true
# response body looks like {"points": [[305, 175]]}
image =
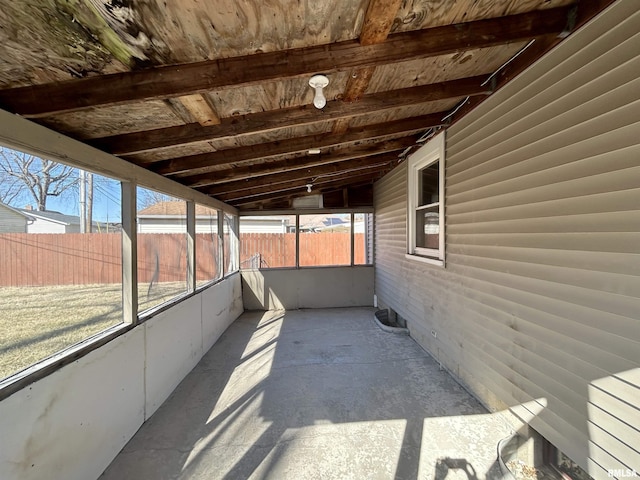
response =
{"points": [[36, 322]]}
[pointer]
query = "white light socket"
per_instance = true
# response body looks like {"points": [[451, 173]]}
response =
{"points": [[318, 82]]}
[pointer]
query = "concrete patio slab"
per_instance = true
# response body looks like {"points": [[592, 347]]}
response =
{"points": [[315, 394]]}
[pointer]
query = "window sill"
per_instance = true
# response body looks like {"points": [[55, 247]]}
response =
{"points": [[430, 261]]}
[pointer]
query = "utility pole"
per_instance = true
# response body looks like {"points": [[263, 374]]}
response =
{"points": [[89, 207], [83, 202]]}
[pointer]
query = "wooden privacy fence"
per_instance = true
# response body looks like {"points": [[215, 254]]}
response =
{"points": [[279, 249], [37, 259], [34, 259]]}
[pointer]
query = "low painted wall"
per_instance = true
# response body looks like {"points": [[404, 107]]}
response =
{"points": [[320, 287], [72, 423]]}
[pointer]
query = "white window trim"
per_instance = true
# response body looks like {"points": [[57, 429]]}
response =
{"points": [[432, 152]]}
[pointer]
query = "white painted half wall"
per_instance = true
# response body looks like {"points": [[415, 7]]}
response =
{"points": [[72, 423], [318, 287]]}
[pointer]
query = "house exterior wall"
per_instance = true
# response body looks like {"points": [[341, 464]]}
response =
{"points": [[11, 221], [162, 225], [41, 225], [538, 307]]}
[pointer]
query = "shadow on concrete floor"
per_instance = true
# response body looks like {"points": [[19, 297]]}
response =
{"points": [[315, 394]]}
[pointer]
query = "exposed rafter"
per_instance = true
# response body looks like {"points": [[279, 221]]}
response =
{"points": [[179, 80], [239, 125], [297, 189], [293, 164], [268, 121], [270, 181], [206, 162]]}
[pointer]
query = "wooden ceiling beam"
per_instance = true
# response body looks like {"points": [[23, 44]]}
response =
{"points": [[185, 79], [264, 122], [269, 182], [297, 189], [203, 163], [251, 171]]}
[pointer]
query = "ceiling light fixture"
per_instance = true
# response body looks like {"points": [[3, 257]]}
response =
{"points": [[309, 185], [318, 82]]}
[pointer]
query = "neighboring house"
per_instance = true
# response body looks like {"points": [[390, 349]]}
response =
{"points": [[267, 224], [169, 217], [323, 223], [24, 220], [51, 222], [13, 220]]}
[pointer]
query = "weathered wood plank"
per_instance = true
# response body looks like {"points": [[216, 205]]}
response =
{"points": [[269, 181], [117, 119], [378, 21], [461, 64], [202, 163], [375, 29], [340, 126], [358, 83], [200, 109], [289, 117], [198, 77], [585, 12], [239, 173], [297, 188], [39, 44], [418, 14]]}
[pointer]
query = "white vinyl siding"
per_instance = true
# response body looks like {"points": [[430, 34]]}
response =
{"points": [[540, 298], [43, 225], [12, 221]]}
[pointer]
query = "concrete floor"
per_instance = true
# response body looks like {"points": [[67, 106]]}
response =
{"points": [[315, 394]]}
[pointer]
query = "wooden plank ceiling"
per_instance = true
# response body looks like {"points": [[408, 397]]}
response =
{"points": [[215, 94]]}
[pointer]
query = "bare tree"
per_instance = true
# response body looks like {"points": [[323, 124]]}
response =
{"points": [[146, 198], [25, 175]]}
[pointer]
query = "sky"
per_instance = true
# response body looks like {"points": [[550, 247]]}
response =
{"points": [[106, 201], [106, 197]]}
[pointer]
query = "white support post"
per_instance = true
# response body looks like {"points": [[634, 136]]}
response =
{"points": [[191, 246], [221, 241], [297, 241], [353, 235], [129, 254]]}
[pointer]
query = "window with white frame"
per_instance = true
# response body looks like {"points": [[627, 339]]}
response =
{"points": [[60, 257], [426, 201]]}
